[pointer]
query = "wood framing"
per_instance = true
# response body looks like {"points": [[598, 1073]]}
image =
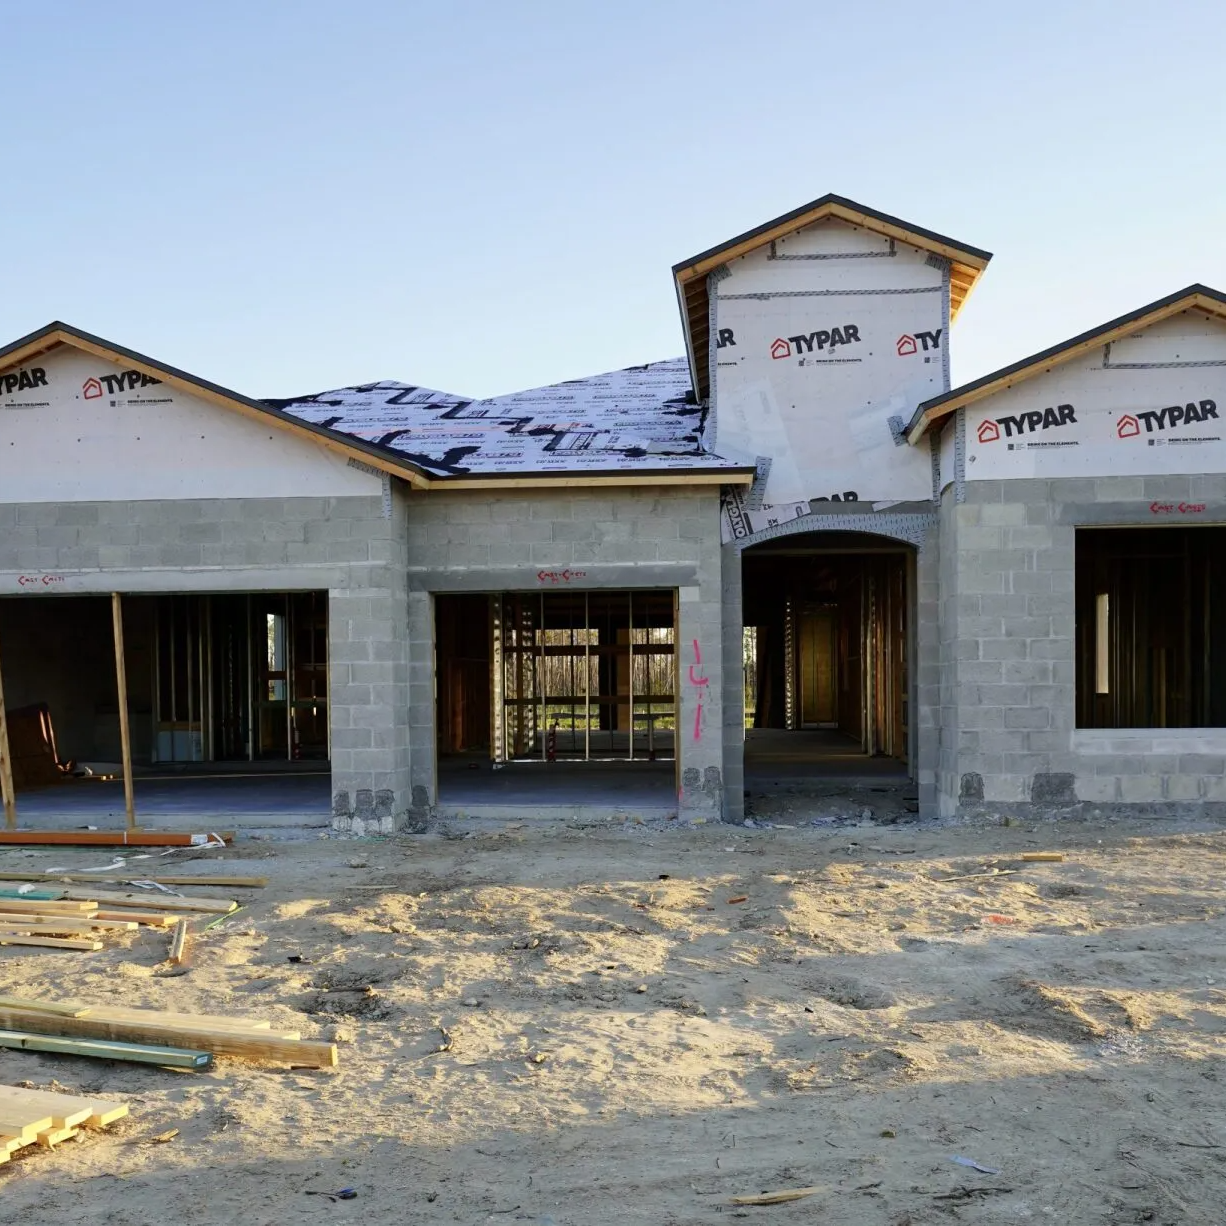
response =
{"points": [[7, 792], [121, 686]]}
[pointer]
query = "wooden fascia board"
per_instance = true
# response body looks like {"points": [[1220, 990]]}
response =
{"points": [[576, 481], [955, 255], [975, 394], [265, 416]]}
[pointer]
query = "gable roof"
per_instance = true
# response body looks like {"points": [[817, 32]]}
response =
{"points": [[640, 422], [627, 427], [1199, 297], [58, 334], [690, 276]]}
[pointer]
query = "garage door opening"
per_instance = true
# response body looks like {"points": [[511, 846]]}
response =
{"points": [[826, 657], [557, 696], [227, 700]]}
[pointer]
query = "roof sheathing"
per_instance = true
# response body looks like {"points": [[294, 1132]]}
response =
{"points": [[690, 276], [694, 467], [1193, 297]]}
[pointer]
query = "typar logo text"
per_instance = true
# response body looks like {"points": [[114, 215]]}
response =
{"points": [[22, 380], [1157, 420], [1026, 423], [910, 343], [125, 381], [820, 341]]}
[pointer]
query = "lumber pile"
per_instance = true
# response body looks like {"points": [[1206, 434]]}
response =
{"points": [[77, 917], [36, 1117], [113, 1031]]}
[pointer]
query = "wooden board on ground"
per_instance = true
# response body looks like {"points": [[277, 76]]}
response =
{"points": [[231, 882], [162, 1029], [36, 1117], [154, 919], [105, 1049], [112, 838], [162, 902], [22, 938]]}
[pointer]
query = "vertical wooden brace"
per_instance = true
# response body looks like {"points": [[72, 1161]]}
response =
{"points": [[121, 686]]}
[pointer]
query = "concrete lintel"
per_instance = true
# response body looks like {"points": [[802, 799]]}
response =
{"points": [[550, 578], [174, 579]]}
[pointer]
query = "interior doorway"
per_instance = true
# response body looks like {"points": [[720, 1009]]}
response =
{"points": [[556, 695], [827, 655]]}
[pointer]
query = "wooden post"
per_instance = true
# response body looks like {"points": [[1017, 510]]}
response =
{"points": [[7, 792], [121, 685]]}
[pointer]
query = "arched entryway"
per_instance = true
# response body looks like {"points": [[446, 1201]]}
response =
{"points": [[828, 653]]}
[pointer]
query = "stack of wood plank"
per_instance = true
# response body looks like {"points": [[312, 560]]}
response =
{"points": [[80, 917], [35, 1117], [152, 1036]]}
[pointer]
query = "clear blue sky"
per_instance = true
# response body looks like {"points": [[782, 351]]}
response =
{"points": [[289, 196]]}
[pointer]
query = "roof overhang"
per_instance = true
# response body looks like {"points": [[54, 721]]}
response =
{"points": [[690, 276], [1195, 297], [56, 335]]}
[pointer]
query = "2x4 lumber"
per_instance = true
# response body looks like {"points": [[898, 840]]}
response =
{"points": [[44, 906], [232, 882], [109, 838], [234, 1025], [76, 1008], [156, 902], [66, 1110], [154, 919], [101, 1049], [24, 938], [26, 1123], [53, 1136], [64, 1008], [121, 690], [251, 1046], [178, 943], [64, 923], [7, 791]]}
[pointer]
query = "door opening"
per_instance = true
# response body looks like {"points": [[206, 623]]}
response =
{"points": [[826, 650]]}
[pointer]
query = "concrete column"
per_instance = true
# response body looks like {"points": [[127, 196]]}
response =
{"points": [[421, 709], [732, 633], [368, 629]]}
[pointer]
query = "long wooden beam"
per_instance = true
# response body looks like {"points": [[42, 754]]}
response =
{"points": [[144, 1053], [136, 875], [7, 791], [110, 838], [251, 1045], [121, 685]]}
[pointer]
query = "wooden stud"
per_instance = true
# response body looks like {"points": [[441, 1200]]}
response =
{"points": [[178, 943], [68, 924], [110, 838], [18, 938], [128, 878], [155, 902], [142, 1053], [161, 1028], [121, 686], [68, 1109], [151, 919], [7, 791]]}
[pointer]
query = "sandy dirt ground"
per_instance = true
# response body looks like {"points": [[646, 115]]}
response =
{"points": [[635, 1025]]}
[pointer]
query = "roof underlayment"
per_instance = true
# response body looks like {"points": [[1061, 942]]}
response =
{"points": [[641, 419]]}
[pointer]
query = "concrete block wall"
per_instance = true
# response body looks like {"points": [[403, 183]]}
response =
{"points": [[615, 538], [925, 653], [342, 545], [1009, 666]]}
